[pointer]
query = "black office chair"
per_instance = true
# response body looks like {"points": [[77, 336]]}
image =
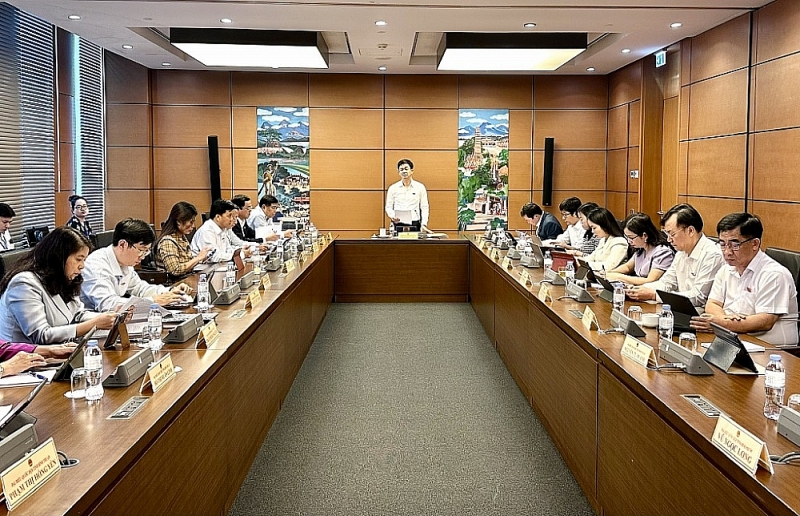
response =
{"points": [[8, 259], [205, 216], [104, 238], [789, 259], [36, 234]]}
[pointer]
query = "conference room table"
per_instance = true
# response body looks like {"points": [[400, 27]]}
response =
{"points": [[634, 445]]}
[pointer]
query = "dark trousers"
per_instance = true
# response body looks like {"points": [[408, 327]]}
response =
{"points": [[415, 225]]}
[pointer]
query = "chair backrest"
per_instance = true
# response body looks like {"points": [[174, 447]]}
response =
{"points": [[789, 259], [8, 259], [105, 238], [205, 215], [36, 234]]}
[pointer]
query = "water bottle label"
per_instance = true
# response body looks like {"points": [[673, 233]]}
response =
{"points": [[775, 379], [93, 362]]}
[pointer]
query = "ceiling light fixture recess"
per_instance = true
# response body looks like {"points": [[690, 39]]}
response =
{"points": [[74, 17], [529, 25], [518, 51], [225, 20], [626, 50], [382, 68], [166, 64], [127, 47], [381, 23], [676, 25], [252, 48], [590, 69]]}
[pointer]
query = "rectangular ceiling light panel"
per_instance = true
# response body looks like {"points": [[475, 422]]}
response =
{"points": [[464, 51]]}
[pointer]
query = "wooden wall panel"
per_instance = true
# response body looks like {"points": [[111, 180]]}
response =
{"points": [[717, 166], [126, 82], [269, 89], [421, 129], [244, 127], [345, 90], [719, 106], [346, 169], [421, 91], [572, 130], [127, 167], [191, 87], [165, 199], [63, 213], [190, 126], [495, 91], [714, 208], [443, 215], [615, 202], [775, 165], [66, 119], [245, 168], [66, 166], [187, 168], [520, 129], [774, 216], [128, 125], [437, 170], [347, 210], [520, 170], [778, 30], [570, 92], [633, 164], [669, 161], [683, 126], [617, 170], [618, 126], [635, 123], [632, 206], [573, 170], [516, 200], [672, 75], [625, 85], [775, 98], [683, 167], [119, 206], [721, 49], [346, 128]]}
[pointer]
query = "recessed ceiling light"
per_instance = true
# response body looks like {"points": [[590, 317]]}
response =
{"points": [[166, 64], [226, 20], [382, 68], [590, 69], [626, 50], [381, 23], [74, 17], [529, 25], [676, 25], [127, 47]]}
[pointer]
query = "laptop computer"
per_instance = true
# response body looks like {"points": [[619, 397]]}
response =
{"points": [[682, 308]]}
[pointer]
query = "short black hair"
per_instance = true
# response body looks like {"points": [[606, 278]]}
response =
{"points": [[749, 225], [239, 200], [570, 204], [685, 215], [587, 208], [221, 206], [134, 231], [7, 211], [268, 200], [606, 220], [406, 161], [530, 210]]}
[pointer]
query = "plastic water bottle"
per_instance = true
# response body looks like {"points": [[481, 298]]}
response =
{"points": [[548, 260], [230, 275], [774, 387], [203, 300], [154, 325], [256, 262], [666, 321], [313, 230], [569, 273], [619, 296], [93, 363]]}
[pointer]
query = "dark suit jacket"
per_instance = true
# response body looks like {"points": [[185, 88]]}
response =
{"points": [[548, 227], [248, 235]]}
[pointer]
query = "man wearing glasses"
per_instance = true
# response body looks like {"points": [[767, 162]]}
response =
{"points": [[572, 237], [696, 262], [109, 273], [752, 292], [266, 216]]}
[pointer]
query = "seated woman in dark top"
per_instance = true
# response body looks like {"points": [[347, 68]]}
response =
{"points": [[652, 254]]}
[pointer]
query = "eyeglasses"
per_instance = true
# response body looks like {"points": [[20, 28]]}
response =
{"points": [[565, 214], [404, 169], [733, 245], [81, 206], [671, 236], [631, 238], [142, 252]]}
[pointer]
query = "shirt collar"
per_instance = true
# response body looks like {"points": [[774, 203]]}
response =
{"points": [[116, 267]]}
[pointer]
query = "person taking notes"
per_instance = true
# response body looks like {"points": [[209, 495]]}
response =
{"points": [[407, 200], [652, 255]]}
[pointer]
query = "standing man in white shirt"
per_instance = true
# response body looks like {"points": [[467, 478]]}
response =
{"points": [[574, 235], [753, 292], [408, 195], [696, 262], [265, 217], [108, 273], [7, 215], [216, 233]]}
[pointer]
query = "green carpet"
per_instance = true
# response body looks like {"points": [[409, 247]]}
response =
{"points": [[406, 409]]}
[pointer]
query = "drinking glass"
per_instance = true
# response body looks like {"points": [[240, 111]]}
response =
{"points": [[688, 341], [794, 402], [77, 384], [635, 313]]}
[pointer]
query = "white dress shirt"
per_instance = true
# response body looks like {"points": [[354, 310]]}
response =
{"points": [[609, 253], [413, 198], [224, 241], [257, 218], [765, 286], [573, 235], [105, 282], [692, 275], [5, 242]]}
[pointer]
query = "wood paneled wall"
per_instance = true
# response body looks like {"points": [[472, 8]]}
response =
{"points": [[64, 145], [624, 135]]}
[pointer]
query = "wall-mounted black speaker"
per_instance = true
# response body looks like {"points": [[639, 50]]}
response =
{"points": [[213, 168], [547, 172]]}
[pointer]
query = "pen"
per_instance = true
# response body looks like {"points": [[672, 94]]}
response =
{"points": [[39, 376]]}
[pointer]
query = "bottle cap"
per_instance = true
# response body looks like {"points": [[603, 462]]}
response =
{"points": [[93, 342], [154, 306], [667, 307], [776, 358]]}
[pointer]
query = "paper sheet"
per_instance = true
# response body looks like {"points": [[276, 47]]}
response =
{"points": [[23, 379], [404, 216]]}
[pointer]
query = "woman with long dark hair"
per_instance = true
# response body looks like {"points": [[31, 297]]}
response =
{"points": [[39, 297], [173, 250], [613, 247], [652, 255]]}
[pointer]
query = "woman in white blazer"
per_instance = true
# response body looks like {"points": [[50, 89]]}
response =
{"points": [[613, 246], [39, 297]]}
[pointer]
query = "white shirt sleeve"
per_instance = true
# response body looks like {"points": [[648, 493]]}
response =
{"points": [[423, 205]]}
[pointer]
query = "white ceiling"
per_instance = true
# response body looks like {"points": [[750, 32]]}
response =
{"points": [[642, 26]]}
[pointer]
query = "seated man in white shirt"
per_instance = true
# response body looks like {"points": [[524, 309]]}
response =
{"points": [[7, 215], [573, 236], [696, 262], [216, 233], [752, 293], [109, 273], [265, 216]]}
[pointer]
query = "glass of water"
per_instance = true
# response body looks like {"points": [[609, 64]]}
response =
{"points": [[688, 341], [77, 384]]}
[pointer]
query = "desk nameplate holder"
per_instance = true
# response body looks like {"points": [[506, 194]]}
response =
{"points": [[130, 370], [578, 293], [672, 352], [253, 299], [506, 263], [620, 320], [21, 480], [265, 282], [208, 335], [589, 319], [551, 276], [745, 449], [158, 375], [638, 351], [525, 277], [545, 294]]}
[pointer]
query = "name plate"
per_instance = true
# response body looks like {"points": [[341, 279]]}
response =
{"points": [[208, 335], [408, 235], [253, 299], [525, 277], [545, 294], [638, 351], [494, 254], [745, 449], [27, 475], [589, 319], [507, 263], [315, 247], [265, 282], [482, 245], [290, 265], [257, 270], [158, 375], [330, 237]]}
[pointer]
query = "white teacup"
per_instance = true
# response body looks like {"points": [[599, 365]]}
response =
{"points": [[650, 320], [383, 232]]}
